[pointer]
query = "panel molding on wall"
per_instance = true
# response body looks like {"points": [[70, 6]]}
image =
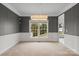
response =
{"points": [[71, 42], [8, 41]]}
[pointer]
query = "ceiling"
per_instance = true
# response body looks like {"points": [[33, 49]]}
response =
{"points": [[28, 9]]}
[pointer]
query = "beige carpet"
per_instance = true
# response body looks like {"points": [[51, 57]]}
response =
{"points": [[39, 49]]}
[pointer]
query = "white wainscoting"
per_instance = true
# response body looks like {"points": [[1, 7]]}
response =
{"points": [[27, 37], [71, 41], [8, 41]]}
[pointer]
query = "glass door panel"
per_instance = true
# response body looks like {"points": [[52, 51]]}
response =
{"points": [[34, 30], [43, 29]]}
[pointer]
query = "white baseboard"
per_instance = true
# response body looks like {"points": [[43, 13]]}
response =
{"points": [[8, 41]]}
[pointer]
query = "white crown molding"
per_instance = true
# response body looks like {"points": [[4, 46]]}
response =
{"points": [[11, 8], [67, 7]]}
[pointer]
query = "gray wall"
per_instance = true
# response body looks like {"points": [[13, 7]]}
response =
{"points": [[71, 36], [72, 21], [53, 24], [24, 24], [8, 21]]}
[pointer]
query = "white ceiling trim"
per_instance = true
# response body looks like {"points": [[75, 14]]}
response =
{"points": [[11, 8]]}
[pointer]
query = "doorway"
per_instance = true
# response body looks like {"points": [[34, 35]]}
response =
{"points": [[38, 28]]}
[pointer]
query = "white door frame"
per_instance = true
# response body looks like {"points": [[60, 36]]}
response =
{"points": [[38, 29]]}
